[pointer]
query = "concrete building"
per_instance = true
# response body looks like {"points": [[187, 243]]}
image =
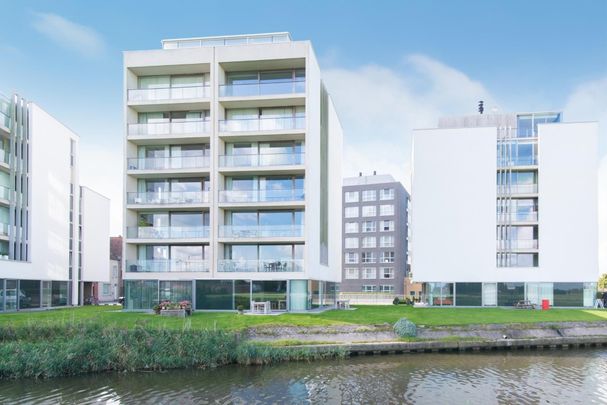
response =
{"points": [[43, 262], [232, 147], [374, 260], [505, 210]]}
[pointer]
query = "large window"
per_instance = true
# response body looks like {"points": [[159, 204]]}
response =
{"points": [[141, 294], [387, 226], [351, 227], [369, 242], [351, 258], [351, 196], [29, 294], [508, 294], [387, 257], [568, 294], [369, 210], [438, 294], [386, 194], [369, 226], [176, 291], [369, 195], [215, 294], [351, 243], [273, 291], [369, 288], [386, 241], [386, 288], [351, 212], [369, 273], [351, 273], [368, 257], [387, 272], [386, 209], [468, 294]]}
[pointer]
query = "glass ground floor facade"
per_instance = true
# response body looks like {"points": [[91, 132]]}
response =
{"points": [[283, 295], [578, 294], [32, 294]]}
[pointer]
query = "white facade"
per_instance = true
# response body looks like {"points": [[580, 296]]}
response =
{"points": [[95, 219], [42, 256], [456, 202], [231, 113]]}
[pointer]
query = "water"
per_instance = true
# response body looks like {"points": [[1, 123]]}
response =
{"points": [[531, 377]]}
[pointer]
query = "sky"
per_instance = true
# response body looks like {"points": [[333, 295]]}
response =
{"points": [[390, 66]]}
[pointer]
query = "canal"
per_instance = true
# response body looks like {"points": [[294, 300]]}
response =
{"points": [[567, 377]]}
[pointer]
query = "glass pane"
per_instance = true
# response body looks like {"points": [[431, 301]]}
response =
{"points": [[183, 185], [275, 252], [244, 218], [568, 294], [29, 294], [508, 294], [215, 294], [59, 293], [242, 252], [276, 218], [241, 78], [186, 253], [242, 113], [187, 81], [175, 291], [186, 219], [154, 82], [468, 294], [273, 291], [140, 294]]}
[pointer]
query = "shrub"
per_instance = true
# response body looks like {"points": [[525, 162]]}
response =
{"points": [[405, 328], [396, 301]]}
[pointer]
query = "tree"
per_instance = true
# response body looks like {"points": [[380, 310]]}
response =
{"points": [[603, 281]]}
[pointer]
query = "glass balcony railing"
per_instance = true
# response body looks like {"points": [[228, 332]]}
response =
{"points": [[517, 161], [262, 124], [170, 128], [167, 232], [517, 189], [5, 112], [5, 193], [517, 217], [245, 196], [3, 229], [226, 41], [263, 88], [4, 155], [260, 266], [164, 266], [517, 244], [261, 231], [167, 163], [266, 159], [168, 197], [169, 93]]}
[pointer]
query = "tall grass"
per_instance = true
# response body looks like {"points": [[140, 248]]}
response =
{"points": [[71, 348]]}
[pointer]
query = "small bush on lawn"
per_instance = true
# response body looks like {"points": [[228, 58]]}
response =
{"points": [[405, 328], [396, 301]]}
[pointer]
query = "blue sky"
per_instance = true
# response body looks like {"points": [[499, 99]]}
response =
{"points": [[414, 59]]}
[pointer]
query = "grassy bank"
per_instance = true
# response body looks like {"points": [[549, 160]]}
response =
{"points": [[363, 315], [63, 349]]}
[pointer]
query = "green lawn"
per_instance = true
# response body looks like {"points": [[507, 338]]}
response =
{"points": [[363, 315]]}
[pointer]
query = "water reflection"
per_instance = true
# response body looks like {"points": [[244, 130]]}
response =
{"points": [[487, 378]]}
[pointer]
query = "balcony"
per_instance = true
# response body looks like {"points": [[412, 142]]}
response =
{"points": [[5, 113], [164, 129], [509, 189], [167, 232], [517, 161], [168, 94], [168, 163], [519, 244], [261, 160], [263, 88], [260, 266], [517, 217], [261, 231], [166, 266], [253, 196], [250, 39], [4, 155], [168, 197], [5, 193], [3, 229], [263, 124]]}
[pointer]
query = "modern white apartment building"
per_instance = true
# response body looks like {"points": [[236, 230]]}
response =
{"points": [[43, 257], [504, 209], [232, 149]]}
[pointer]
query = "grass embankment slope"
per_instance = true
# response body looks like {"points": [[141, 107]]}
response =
{"points": [[363, 315]]}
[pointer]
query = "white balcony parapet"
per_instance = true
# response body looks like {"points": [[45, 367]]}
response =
{"points": [[261, 231], [168, 93], [167, 232], [260, 266], [164, 266], [170, 128], [168, 163], [259, 160], [262, 124], [245, 196], [168, 197]]}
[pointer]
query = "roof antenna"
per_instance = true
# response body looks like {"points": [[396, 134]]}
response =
{"points": [[481, 106]]}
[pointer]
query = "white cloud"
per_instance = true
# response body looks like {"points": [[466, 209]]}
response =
{"points": [[69, 34], [379, 107]]}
